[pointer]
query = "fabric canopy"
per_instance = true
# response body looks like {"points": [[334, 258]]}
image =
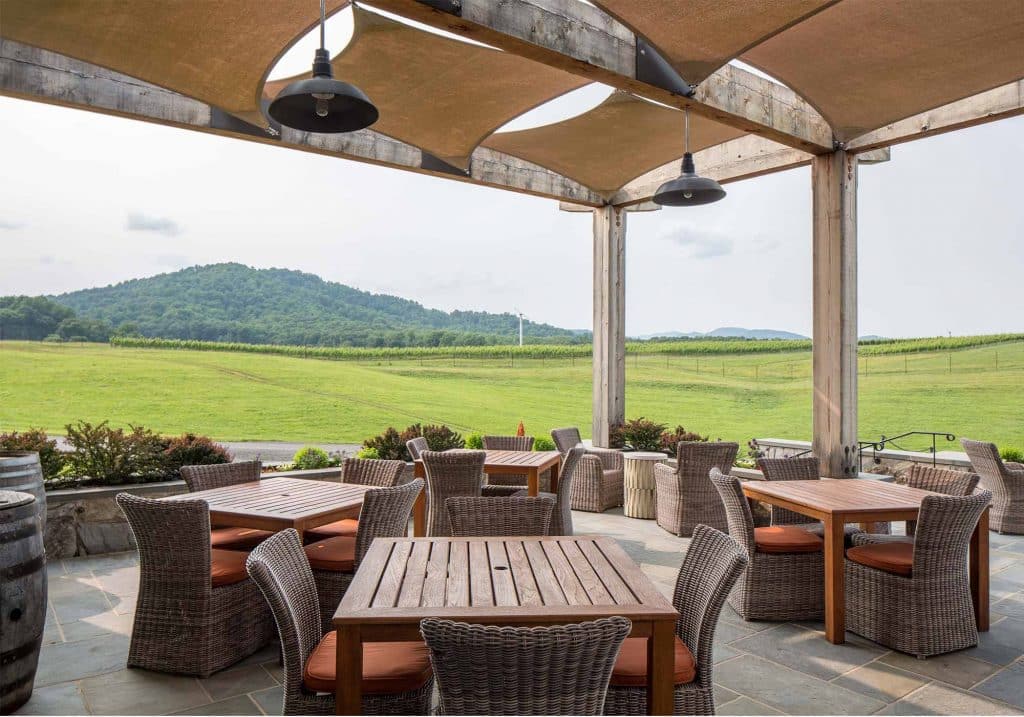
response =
{"points": [[216, 52], [618, 140], [442, 95]]}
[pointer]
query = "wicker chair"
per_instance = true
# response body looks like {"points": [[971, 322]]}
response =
{"points": [[937, 480], [684, 495], [450, 474], [508, 443], [471, 516], [358, 471], [221, 475], [797, 468], [573, 463], [598, 483], [916, 597], [1006, 483], [197, 611], [280, 569], [416, 446], [490, 670], [713, 564], [385, 514], [784, 579]]}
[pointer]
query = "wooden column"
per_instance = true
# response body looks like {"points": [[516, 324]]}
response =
{"points": [[609, 321], [834, 179]]}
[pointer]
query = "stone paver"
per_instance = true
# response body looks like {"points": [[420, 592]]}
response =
{"points": [[761, 667]]}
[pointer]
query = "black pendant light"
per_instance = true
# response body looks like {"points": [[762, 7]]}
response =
{"points": [[688, 189], [322, 103]]}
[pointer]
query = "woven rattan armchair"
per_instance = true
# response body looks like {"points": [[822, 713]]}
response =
{"points": [[183, 623], [713, 564], [385, 514], [278, 566], [776, 585], [490, 670], [221, 475], [573, 464], [473, 517], [796, 468], [1006, 483], [937, 480], [684, 495], [358, 471], [508, 443], [450, 474], [916, 597], [599, 483]]}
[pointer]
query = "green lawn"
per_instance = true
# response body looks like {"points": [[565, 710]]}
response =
{"points": [[235, 396]]}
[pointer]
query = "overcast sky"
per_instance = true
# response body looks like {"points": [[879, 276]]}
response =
{"points": [[89, 200]]}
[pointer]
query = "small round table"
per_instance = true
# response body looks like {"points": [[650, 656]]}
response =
{"points": [[639, 483]]}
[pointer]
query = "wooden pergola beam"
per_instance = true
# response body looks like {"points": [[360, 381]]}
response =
{"points": [[33, 74], [581, 39]]}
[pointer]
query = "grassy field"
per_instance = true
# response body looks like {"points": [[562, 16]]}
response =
{"points": [[236, 396]]}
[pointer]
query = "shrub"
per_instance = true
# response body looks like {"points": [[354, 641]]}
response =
{"points": [[368, 454], [543, 443], [669, 439], [641, 434], [390, 445], [1012, 455], [35, 439], [475, 442], [311, 458], [114, 456], [442, 438], [188, 449]]}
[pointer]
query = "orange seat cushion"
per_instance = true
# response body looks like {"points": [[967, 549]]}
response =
{"points": [[227, 567], [786, 539], [895, 558], [631, 668], [237, 538], [335, 554], [338, 529], [388, 667]]}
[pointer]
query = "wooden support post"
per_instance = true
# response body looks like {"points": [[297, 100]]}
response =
{"points": [[609, 321], [834, 179]]}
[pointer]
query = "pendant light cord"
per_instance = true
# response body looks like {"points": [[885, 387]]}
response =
{"points": [[323, 20]]}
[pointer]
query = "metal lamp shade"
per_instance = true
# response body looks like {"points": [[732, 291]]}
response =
{"points": [[688, 189], [348, 110]]}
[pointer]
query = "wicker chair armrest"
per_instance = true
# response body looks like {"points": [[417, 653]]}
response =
{"points": [[499, 491], [664, 471], [1015, 467], [875, 539], [589, 467], [611, 459]]}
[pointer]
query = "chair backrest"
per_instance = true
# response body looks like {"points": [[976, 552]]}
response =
{"points": [[379, 473], [737, 509], [475, 517], [174, 548], [713, 564], [279, 567], [796, 468], [450, 474], [988, 464], [943, 535], [491, 670], [385, 514], [695, 459], [220, 475], [416, 446], [508, 443], [939, 480], [566, 438], [563, 496]]}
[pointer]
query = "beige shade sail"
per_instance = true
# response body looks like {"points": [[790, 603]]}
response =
{"points": [[699, 36], [866, 63], [441, 95], [618, 140], [217, 52]]}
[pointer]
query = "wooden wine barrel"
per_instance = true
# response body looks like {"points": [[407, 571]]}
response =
{"points": [[22, 597], [21, 472]]}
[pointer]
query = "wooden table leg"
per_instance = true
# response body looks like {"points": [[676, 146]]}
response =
{"points": [[348, 693], [554, 477], [533, 482], [980, 572], [835, 587], [660, 664], [419, 515]]}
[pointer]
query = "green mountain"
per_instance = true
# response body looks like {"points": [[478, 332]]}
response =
{"points": [[232, 302]]}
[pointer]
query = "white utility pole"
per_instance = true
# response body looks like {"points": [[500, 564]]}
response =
{"points": [[520, 328]]}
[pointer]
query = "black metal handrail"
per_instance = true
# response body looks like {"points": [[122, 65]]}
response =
{"points": [[884, 441]]}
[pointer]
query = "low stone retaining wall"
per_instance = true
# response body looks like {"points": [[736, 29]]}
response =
{"points": [[87, 521], [888, 461]]}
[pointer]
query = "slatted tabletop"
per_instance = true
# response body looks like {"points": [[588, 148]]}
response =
{"points": [[279, 503], [500, 581]]}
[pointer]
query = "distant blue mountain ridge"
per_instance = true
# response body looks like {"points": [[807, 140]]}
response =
{"points": [[726, 332]]}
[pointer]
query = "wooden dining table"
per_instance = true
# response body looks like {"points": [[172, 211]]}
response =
{"points": [[531, 463], [523, 581], [839, 502], [278, 503]]}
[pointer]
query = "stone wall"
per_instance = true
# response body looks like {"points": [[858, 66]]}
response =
{"points": [[886, 462]]}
